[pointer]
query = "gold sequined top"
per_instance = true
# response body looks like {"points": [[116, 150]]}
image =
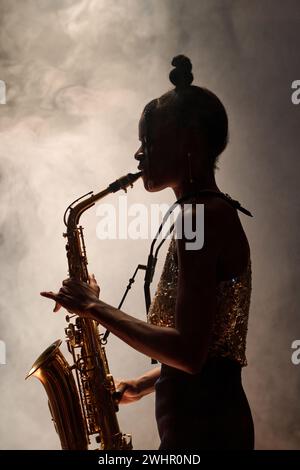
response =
{"points": [[231, 319]]}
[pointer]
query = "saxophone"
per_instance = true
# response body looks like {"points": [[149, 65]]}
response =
{"points": [[83, 407]]}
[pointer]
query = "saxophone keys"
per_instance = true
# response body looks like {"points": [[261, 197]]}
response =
{"points": [[68, 317]]}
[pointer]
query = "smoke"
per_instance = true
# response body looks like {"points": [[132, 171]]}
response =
{"points": [[78, 74]]}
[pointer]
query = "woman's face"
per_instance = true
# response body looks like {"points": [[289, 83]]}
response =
{"points": [[160, 155]]}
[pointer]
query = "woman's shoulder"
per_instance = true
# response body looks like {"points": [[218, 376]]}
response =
{"points": [[235, 249], [219, 212], [223, 231]]}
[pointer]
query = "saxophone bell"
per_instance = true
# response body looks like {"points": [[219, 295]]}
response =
{"points": [[54, 372]]}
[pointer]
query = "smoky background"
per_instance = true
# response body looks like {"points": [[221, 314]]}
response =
{"points": [[78, 74]]}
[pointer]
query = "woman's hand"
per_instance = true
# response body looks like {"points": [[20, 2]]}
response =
{"points": [[127, 391], [75, 296], [93, 285]]}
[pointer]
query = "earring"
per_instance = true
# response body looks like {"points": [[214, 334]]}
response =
{"points": [[190, 168]]}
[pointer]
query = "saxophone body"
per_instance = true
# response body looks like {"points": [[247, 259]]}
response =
{"points": [[82, 397]]}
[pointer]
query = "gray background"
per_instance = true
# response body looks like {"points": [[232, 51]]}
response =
{"points": [[78, 74]]}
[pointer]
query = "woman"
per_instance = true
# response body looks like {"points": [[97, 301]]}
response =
{"points": [[197, 323]]}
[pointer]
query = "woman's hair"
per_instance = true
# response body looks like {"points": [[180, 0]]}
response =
{"points": [[192, 107]]}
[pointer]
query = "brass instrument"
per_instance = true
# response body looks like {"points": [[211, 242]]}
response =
{"points": [[88, 409]]}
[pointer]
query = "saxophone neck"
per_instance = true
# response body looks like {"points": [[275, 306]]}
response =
{"points": [[76, 251], [74, 212]]}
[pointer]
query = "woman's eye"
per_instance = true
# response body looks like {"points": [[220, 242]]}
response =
{"points": [[147, 143]]}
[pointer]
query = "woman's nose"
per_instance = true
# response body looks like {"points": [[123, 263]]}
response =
{"points": [[139, 155]]}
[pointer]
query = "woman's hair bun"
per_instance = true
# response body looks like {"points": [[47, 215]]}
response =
{"points": [[181, 76]]}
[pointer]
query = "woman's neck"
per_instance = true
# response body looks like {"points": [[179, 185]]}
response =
{"points": [[206, 181]]}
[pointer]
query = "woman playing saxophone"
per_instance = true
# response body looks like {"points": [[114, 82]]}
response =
{"points": [[200, 401]]}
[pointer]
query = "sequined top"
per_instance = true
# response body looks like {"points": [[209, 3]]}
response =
{"points": [[231, 319]]}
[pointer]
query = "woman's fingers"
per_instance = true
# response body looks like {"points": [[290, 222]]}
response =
{"points": [[71, 281], [120, 391], [57, 299], [75, 296], [78, 287], [56, 307], [49, 295], [94, 285]]}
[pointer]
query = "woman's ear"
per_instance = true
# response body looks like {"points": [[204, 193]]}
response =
{"points": [[198, 142], [193, 141]]}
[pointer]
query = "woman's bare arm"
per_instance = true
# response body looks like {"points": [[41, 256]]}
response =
{"points": [[147, 381], [132, 390]]}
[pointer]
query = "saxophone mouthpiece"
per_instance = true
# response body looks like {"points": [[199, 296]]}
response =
{"points": [[124, 182], [135, 176]]}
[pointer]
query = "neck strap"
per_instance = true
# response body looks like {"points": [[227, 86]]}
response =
{"points": [[233, 202]]}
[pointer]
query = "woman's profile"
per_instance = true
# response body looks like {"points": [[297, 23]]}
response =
{"points": [[197, 322]]}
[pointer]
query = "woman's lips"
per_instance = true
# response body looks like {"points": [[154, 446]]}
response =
{"points": [[141, 167]]}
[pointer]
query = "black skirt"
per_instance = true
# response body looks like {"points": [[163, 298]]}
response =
{"points": [[205, 411]]}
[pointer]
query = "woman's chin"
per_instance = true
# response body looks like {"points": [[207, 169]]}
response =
{"points": [[151, 185]]}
